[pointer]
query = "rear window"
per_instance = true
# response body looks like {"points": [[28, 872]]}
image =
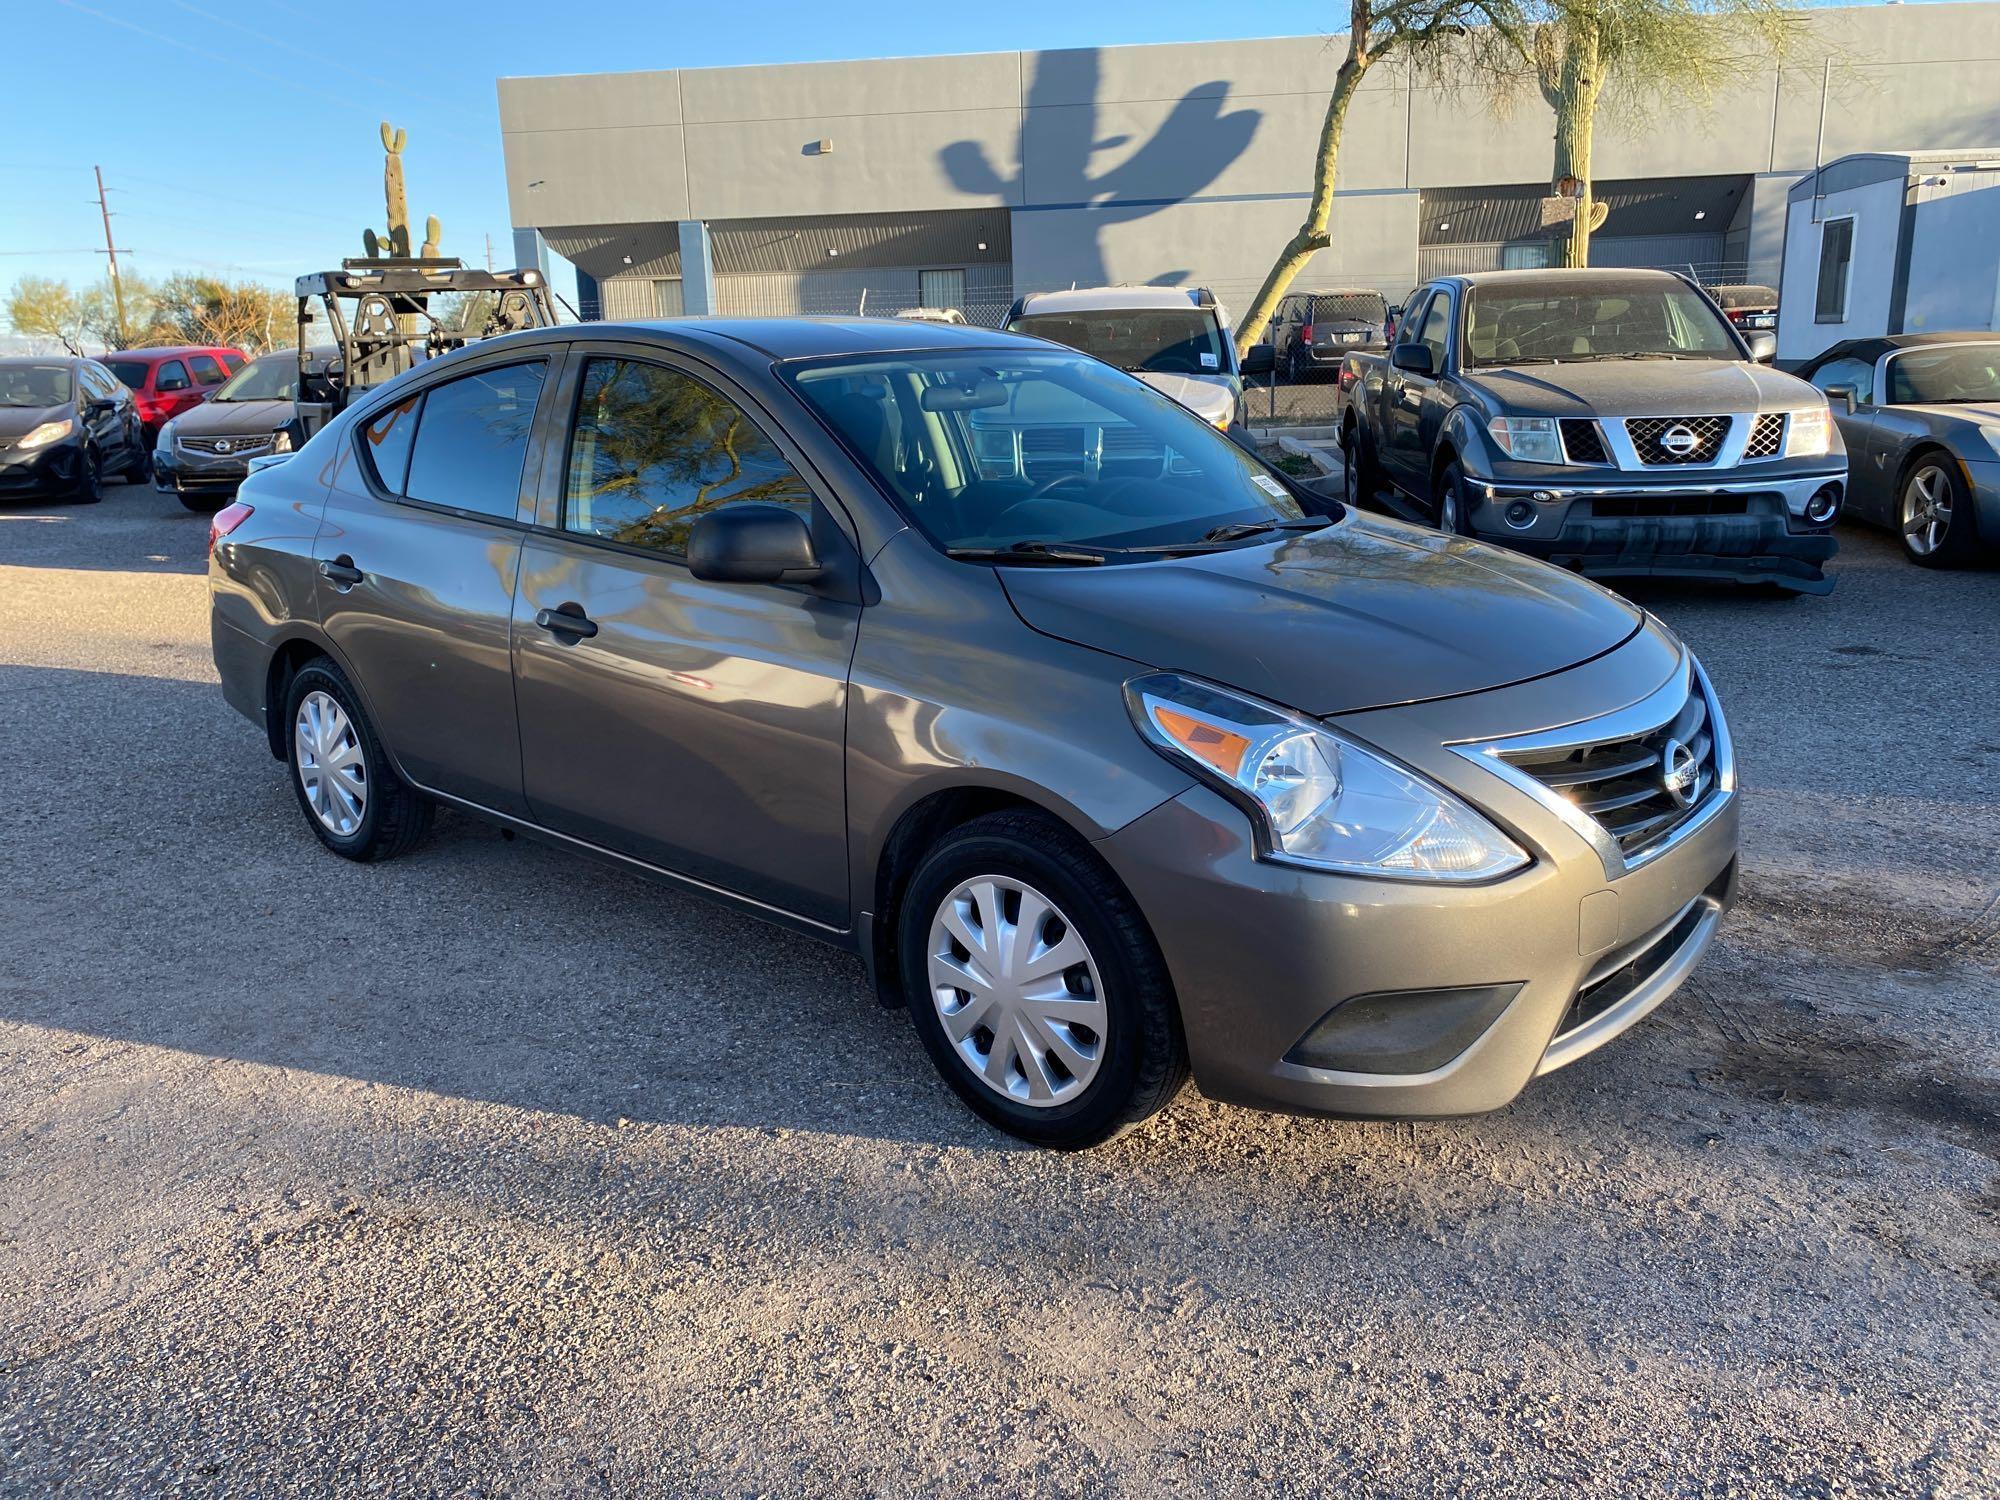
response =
{"points": [[472, 439], [131, 371]]}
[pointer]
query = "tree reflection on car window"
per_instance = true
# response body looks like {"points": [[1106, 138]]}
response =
{"points": [[654, 449]]}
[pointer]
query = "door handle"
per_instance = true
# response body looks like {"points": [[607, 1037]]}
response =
{"points": [[341, 572], [568, 619]]}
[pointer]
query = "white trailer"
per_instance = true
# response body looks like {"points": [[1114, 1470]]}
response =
{"points": [[1888, 242]]}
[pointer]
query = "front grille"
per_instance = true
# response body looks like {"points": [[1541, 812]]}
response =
{"points": [[1583, 442], [240, 443], [1657, 439], [1632, 969], [1622, 784], [1125, 446], [1639, 506], [1767, 436]]}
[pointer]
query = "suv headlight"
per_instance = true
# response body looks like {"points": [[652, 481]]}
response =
{"points": [[1809, 434], [48, 432], [281, 441], [1316, 797], [1528, 440], [164, 443]]}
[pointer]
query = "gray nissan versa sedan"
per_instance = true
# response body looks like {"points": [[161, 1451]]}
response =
{"points": [[1110, 752]]}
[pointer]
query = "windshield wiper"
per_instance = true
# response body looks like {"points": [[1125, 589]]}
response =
{"points": [[1235, 529], [1028, 552]]}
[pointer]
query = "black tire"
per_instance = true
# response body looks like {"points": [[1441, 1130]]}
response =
{"points": [[140, 466], [1358, 479], [1450, 501], [90, 484], [394, 816], [1959, 546], [1144, 1063]]}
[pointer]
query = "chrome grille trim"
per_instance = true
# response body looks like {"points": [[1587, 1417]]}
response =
{"points": [[1646, 433], [239, 443], [1687, 691]]}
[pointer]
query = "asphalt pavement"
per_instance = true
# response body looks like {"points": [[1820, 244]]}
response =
{"points": [[486, 1171]]}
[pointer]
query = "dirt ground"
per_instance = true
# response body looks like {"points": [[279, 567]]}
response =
{"points": [[490, 1172]]}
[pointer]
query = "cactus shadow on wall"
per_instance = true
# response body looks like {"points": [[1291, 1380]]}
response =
{"points": [[1073, 167]]}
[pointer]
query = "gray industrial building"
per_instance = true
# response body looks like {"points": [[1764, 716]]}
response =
{"points": [[962, 181]]}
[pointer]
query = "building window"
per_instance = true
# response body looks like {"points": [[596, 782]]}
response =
{"points": [[667, 297], [941, 289], [1533, 256], [1836, 267]]}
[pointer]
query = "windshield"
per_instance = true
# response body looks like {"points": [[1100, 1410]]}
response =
{"points": [[1516, 324], [1951, 373], [1350, 307], [130, 372], [999, 449], [1164, 340], [273, 379], [34, 385]]}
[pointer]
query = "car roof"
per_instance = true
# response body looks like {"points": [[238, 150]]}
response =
{"points": [[806, 338], [1342, 291], [1595, 276], [160, 352], [1874, 347], [44, 360], [1108, 299]]}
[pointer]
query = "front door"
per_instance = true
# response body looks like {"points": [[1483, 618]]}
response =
{"points": [[696, 726], [417, 554], [1405, 454]]}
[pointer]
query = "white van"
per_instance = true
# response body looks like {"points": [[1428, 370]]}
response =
{"points": [[1176, 339]]}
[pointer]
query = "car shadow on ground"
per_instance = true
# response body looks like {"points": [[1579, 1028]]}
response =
{"points": [[135, 528]]}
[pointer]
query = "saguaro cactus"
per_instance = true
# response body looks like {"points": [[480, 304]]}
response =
{"points": [[397, 199]]}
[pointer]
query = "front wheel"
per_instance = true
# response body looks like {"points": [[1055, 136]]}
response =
{"points": [[1358, 480], [1934, 515], [1035, 984], [1451, 509], [352, 797], [90, 484]]}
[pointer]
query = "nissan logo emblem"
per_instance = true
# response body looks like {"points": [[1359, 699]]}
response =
{"points": [[222, 445], [1680, 772], [1679, 439]]}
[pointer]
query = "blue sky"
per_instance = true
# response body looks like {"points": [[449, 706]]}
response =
{"points": [[232, 143]]}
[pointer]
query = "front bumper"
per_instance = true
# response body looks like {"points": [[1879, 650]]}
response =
{"points": [[1740, 529], [55, 469], [191, 473], [1522, 975]]}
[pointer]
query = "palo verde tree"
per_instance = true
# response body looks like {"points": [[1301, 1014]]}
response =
{"points": [[1436, 39], [1649, 53]]}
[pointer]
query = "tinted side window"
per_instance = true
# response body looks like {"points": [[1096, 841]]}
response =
{"points": [[1410, 329], [206, 370], [171, 376], [653, 449], [1836, 254], [1437, 325], [234, 362], [131, 371], [473, 439], [1859, 373], [386, 441]]}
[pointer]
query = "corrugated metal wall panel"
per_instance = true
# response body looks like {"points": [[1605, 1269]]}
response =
{"points": [[890, 289], [628, 297], [607, 250], [744, 247]]}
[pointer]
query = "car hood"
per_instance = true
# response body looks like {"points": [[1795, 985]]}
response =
{"points": [[1981, 413], [216, 418], [16, 421], [1209, 396], [1365, 613], [1640, 388]]}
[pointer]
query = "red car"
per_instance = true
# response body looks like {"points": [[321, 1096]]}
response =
{"points": [[166, 382]]}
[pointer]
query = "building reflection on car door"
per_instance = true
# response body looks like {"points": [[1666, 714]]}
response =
{"points": [[695, 725]]}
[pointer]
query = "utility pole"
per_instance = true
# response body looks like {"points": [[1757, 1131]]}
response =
{"points": [[111, 250], [489, 250]]}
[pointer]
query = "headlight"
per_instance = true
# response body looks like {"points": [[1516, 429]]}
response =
{"points": [[164, 443], [1810, 433], [281, 441], [47, 433], [1318, 799], [1530, 440]]}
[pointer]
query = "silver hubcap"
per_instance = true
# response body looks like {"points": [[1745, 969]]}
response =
{"points": [[1926, 510], [332, 769], [1017, 991]]}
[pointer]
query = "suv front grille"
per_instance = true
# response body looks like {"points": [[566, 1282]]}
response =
{"points": [[1047, 448], [1767, 436], [1658, 440], [1624, 784], [1583, 442]]}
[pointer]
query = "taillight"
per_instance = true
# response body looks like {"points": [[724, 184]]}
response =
{"points": [[225, 521], [1306, 333]]}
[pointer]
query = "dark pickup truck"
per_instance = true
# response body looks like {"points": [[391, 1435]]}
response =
{"points": [[1609, 421]]}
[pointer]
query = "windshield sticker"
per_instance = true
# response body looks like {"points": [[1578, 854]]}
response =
{"points": [[1268, 485], [1208, 362]]}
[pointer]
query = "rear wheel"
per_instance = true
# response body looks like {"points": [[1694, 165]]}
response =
{"points": [[1934, 515], [1035, 984], [351, 796]]}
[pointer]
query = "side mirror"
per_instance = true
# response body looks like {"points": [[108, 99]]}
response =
{"points": [[1763, 345], [1258, 360], [1842, 396], [1416, 358], [752, 544]]}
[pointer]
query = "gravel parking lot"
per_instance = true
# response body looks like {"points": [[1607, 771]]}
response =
{"points": [[489, 1171]]}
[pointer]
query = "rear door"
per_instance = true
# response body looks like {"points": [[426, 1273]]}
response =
{"points": [[697, 726], [418, 553]]}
